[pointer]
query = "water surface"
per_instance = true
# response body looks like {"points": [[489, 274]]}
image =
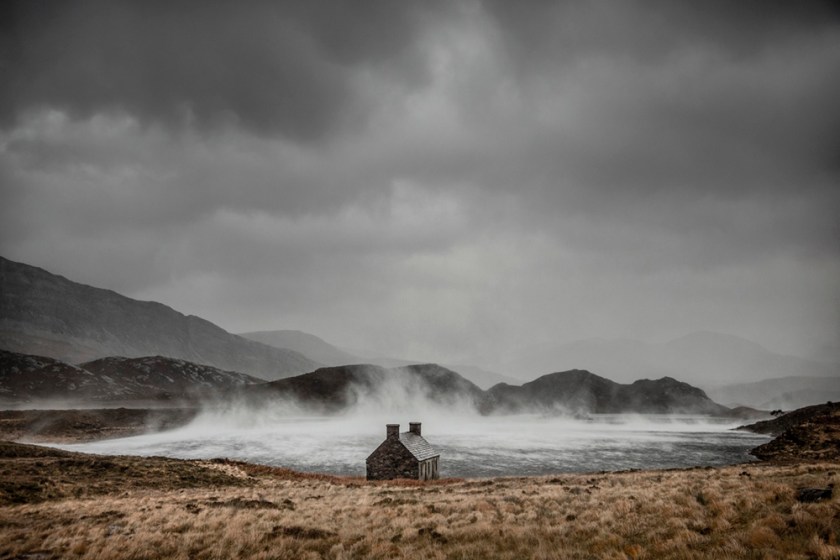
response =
{"points": [[470, 446]]}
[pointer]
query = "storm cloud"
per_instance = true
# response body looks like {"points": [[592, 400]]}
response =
{"points": [[445, 181], [288, 68]]}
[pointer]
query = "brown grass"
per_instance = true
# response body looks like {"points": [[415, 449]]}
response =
{"points": [[262, 512], [31, 473]]}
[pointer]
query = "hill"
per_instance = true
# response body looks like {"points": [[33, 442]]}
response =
{"points": [[581, 392], [376, 388], [327, 389], [804, 415], [707, 359], [25, 378], [48, 315], [166, 378], [29, 379]]}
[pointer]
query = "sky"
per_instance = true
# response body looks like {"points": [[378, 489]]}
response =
{"points": [[442, 181]]}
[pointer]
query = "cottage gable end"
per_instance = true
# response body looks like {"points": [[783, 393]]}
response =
{"points": [[391, 460], [391, 447], [403, 455]]}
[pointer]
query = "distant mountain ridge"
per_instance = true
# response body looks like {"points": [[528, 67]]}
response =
{"points": [[307, 344], [575, 392], [703, 358], [46, 314], [582, 392], [785, 393], [373, 388]]}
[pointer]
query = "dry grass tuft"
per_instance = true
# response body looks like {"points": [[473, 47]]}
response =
{"points": [[265, 512]]}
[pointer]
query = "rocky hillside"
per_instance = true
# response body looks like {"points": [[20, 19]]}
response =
{"points": [[810, 433], [167, 377], [778, 425], [580, 392], [45, 314], [27, 379]]}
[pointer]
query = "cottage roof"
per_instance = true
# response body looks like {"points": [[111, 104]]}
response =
{"points": [[417, 446]]}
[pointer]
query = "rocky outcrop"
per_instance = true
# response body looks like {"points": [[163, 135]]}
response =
{"points": [[811, 433], [814, 495], [811, 442], [819, 414]]}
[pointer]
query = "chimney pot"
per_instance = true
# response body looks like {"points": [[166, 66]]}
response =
{"points": [[414, 427], [392, 431]]}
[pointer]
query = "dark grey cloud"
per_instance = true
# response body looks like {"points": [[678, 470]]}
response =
{"points": [[555, 32], [441, 180], [669, 115], [272, 67]]}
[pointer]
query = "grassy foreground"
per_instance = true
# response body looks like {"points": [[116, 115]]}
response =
{"points": [[56, 504]]}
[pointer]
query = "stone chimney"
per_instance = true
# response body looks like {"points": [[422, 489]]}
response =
{"points": [[392, 431], [414, 427]]}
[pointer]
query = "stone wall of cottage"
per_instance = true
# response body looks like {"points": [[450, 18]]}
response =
{"points": [[429, 469], [392, 460]]}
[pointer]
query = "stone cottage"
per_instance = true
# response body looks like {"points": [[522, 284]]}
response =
{"points": [[403, 455]]}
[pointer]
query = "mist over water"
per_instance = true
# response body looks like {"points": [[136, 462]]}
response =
{"points": [[470, 445]]}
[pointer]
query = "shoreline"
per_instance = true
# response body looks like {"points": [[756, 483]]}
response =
{"points": [[90, 431], [90, 424]]}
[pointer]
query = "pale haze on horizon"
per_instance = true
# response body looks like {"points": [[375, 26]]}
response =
{"points": [[440, 181]]}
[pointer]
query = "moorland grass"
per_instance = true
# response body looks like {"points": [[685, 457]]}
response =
{"points": [[223, 509]]}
